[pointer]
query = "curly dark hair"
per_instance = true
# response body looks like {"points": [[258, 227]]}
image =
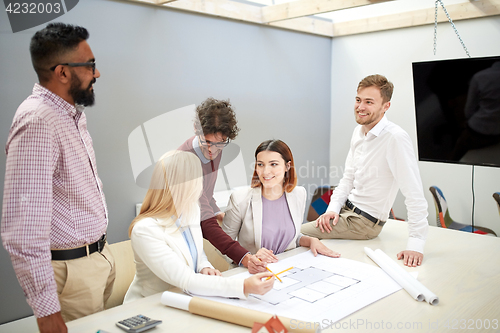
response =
{"points": [[50, 44], [216, 116]]}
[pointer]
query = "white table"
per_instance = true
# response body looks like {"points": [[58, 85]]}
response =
{"points": [[463, 269]]}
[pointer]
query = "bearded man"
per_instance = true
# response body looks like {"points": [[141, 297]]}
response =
{"points": [[54, 216]]}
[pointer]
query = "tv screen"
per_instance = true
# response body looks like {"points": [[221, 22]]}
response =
{"points": [[457, 108]]}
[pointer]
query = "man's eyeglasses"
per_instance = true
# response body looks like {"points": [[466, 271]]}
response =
{"points": [[77, 64], [221, 144]]}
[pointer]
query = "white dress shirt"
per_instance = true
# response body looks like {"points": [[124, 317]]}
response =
{"points": [[377, 165]]}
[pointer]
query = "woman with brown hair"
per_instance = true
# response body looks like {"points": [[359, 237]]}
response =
{"points": [[268, 216]]}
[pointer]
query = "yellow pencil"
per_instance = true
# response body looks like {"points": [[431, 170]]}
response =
{"points": [[289, 268], [273, 274], [285, 270]]}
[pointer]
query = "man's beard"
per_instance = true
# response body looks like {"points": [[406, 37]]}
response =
{"points": [[81, 96]]}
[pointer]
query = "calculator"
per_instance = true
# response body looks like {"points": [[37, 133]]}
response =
{"points": [[137, 324]]}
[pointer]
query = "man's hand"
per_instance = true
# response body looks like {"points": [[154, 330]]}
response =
{"points": [[220, 217], [266, 255], [317, 247], [411, 258], [210, 271], [253, 264], [53, 323], [255, 284], [323, 222]]}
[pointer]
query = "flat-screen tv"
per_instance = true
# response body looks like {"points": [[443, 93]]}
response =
{"points": [[457, 108]]}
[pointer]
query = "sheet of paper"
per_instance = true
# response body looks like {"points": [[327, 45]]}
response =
{"points": [[319, 289]]}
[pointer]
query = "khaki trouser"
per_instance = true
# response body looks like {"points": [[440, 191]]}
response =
{"points": [[349, 226], [84, 284]]}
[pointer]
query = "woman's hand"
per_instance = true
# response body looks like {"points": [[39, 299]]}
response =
{"points": [[266, 256], [317, 247], [257, 263], [254, 264], [258, 284], [210, 271]]}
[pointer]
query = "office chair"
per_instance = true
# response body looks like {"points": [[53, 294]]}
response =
{"points": [[444, 219], [125, 272], [496, 196], [320, 201]]}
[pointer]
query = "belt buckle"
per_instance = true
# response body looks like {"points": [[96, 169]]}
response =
{"points": [[349, 204]]}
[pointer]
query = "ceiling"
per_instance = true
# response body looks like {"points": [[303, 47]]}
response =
{"points": [[334, 18]]}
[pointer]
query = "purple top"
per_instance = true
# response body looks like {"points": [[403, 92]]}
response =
{"points": [[278, 229]]}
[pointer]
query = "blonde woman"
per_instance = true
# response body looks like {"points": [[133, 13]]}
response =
{"points": [[267, 217], [167, 240]]}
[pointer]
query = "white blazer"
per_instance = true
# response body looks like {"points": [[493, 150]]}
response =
{"points": [[243, 218], [163, 261]]}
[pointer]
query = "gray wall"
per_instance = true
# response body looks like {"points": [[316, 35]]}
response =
{"points": [[156, 60], [391, 53]]}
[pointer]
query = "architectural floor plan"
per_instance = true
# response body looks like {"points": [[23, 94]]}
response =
{"points": [[309, 284], [319, 289]]}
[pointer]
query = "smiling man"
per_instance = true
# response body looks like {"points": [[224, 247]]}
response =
{"points": [[54, 216], [380, 162], [215, 126]]}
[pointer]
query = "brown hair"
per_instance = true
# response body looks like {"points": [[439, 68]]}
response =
{"points": [[386, 87], [216, 116], [278, 146]]}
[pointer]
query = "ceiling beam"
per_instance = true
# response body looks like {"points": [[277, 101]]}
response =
{"points": [[221, 8], [300, 8], [162, 2], [306, 24], [243, 12], [249, 13], [253, 14], [262, 2], [461, 11]]}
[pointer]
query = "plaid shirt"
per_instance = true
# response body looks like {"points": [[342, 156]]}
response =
{"points": [[52, 195]]}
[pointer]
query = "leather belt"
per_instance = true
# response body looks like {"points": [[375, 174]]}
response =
{"points": [[358, 211], [79, 251]]}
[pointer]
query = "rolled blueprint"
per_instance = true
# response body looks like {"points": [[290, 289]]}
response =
{"points": [[414, 287], [429, 296], [225, 312], [175, 300], [400, 279]]}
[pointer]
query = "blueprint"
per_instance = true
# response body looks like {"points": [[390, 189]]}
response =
{"points": [[319, 289], [309, 284]]}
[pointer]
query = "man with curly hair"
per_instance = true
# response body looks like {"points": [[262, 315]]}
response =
{"points": [[215, 126]]}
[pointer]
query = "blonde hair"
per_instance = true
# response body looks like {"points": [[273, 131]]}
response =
{"points": [[174, 190]]}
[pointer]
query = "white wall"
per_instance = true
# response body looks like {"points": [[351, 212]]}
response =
{"points": [[391, 53]]}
